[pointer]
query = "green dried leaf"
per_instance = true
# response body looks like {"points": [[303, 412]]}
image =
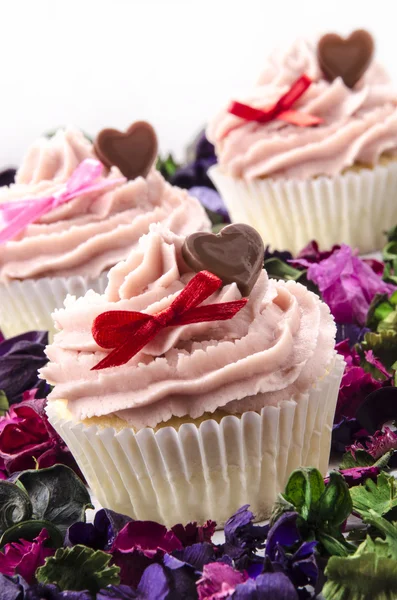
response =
{"points": [[371, 573], [4, 406], [379, 496], [383, 461], [389, 273], [393, 299], [389, 252], [278, 269], [57, 495], [384, 346], [215, 218], [372, 318], [387, 546], [79, 568], [15, 505], [280, 506], [167, 166], [218, 227], [304, 490], [333, 546], [362, 577], [392, 234], [361, 458], [29, 530], [335, 504]]}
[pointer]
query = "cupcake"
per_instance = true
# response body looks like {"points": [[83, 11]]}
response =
{"points": [[184, 416], [70, 247], [312, 152]]}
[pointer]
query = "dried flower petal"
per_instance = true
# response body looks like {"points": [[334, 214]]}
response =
{"points": [[347, 284], [24, 558], [219, 581]]}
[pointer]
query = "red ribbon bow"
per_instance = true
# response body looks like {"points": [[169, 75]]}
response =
{"points": [[127, 332], [281, 110]]}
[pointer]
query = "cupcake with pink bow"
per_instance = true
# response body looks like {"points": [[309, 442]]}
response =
{"points": [[194, 384], [75, 210], [311, 153]]}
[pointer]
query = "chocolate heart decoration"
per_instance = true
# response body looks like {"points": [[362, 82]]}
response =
{"points": [[235, 255], [133, 152], [347, 58]]}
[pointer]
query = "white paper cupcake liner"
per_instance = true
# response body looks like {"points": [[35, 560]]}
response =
{"points": [[28, 304], [206, 472], [354, 208]]}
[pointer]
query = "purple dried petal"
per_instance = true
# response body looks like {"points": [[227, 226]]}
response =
{"points": [[344, 432], [7, 176], [305, 549], [284, 532], [205, 150], [269, 586], [20, 358], [350, 332], [181, 577], [196, 555], [347, 284], [241, 535], [10, 588], [211, 200], [153, 584]]}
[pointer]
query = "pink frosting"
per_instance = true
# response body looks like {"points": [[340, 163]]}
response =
{"points": [[359, 125], [276, 347], [90, 233]]}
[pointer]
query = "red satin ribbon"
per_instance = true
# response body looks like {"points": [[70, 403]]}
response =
{"points": [[281, 110], [127, 332]]}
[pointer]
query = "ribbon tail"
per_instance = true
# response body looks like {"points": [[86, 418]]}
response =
{"points": [[116, 357], [294, 117], [33, 211]]}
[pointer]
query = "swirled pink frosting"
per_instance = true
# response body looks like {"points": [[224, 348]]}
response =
{"points": [[93, 232], [276, 347], [359, 125]]}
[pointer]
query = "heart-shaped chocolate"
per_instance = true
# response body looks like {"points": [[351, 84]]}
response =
{"points": [[133, 152], [347, 58], [235, 255]]}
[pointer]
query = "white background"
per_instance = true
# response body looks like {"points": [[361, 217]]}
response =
{"points": [[101, 63]]}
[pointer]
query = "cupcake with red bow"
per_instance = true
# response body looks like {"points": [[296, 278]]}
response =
{"points": [[195, 383], [75, 210], [312, 152]]}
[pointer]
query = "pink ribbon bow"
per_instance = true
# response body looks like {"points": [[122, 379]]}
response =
{"points": [[15, 216]]}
